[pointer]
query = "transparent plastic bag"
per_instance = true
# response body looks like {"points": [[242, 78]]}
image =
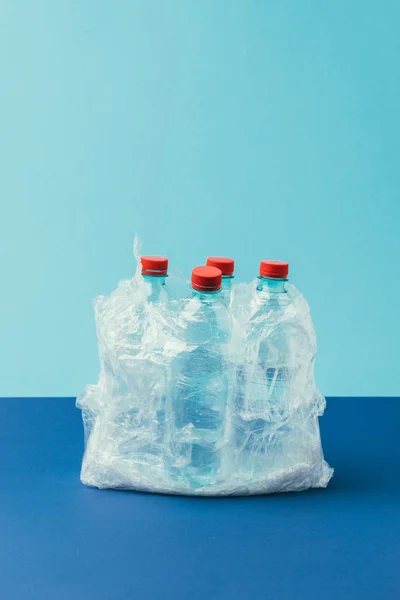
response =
{"points": [[269, 441]]}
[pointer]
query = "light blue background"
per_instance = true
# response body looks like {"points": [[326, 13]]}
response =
{"points": [[255, 129]]}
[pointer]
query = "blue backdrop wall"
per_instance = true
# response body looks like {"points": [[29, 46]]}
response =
{"points": [[256, 129]]}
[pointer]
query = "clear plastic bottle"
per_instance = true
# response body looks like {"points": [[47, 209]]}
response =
{"points": [[155, 271], [264, 380], [144, 421], [202, 378], [227, 267]]}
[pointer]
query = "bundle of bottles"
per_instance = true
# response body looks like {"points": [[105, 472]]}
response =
{"points": [[210, 394]]}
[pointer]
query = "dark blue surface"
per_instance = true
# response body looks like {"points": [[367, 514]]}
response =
{"points": [[60, 540]]}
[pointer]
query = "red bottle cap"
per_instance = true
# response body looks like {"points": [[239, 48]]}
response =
{"points": [[206, 279], [227, 265], [274, 269], [154, 265]]}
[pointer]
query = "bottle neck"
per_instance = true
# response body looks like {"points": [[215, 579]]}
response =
{"points": [[271, 285], [157, 283], [206, 296], [226, 283]]}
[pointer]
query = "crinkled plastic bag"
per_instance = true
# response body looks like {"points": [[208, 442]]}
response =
{"points": [[128, 416]]}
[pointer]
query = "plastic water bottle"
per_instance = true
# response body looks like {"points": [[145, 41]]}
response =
{"points": [[227, 267], [202, 379], [144, 423], [154, 271], [265, 378]]}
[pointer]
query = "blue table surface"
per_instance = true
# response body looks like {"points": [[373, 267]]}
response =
{"points": [[60, 540]]}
